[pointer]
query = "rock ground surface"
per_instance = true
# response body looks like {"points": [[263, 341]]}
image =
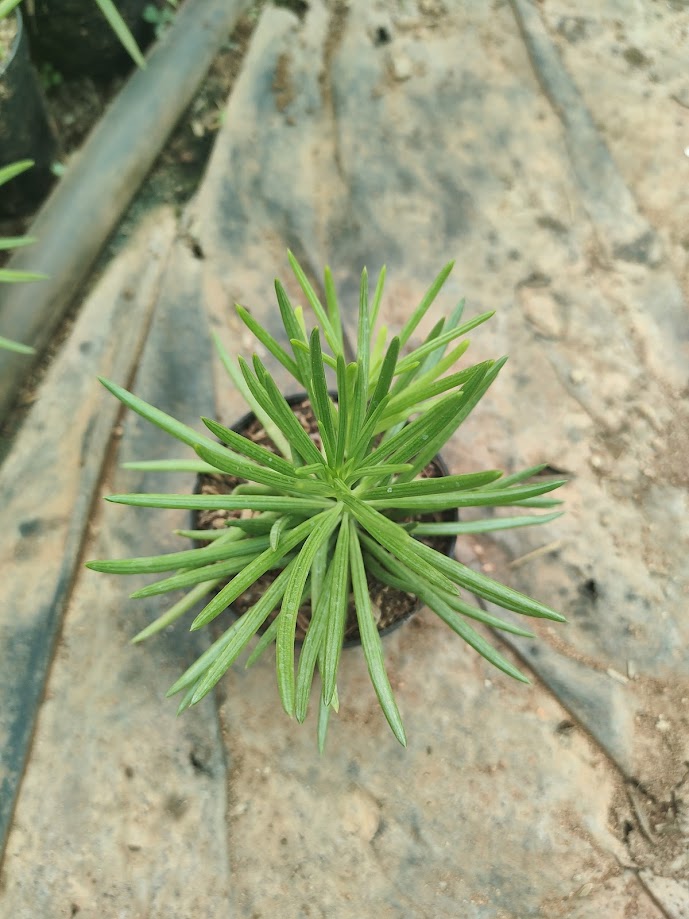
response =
{"points": [[545, 151]]}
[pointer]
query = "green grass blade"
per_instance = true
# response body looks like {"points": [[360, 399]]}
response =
{"points": [[314, 302], [283, 415], [187, 578], [121, 30], [323, 721], [489, 525], [422, 308], [406, 442], [171, 465], [420, 353], [472, 638], [294, 331], [278, 503], [237, 378], [14, 169], [486, 587], [385, 376], [433, 360], [342, 436], [413, 396], [379, 470], [209, 535], [304, 349], [219, 550], [405, 379], [397, 540], [193, 673], [441, 485], [377, 297], [232, 464], [337, 613], [177, 611], [388, 570], [11, 276], [249, 448], [311, 648], [521, 476], [8, 345], [439, 434], [428, 377], [270, 343], [277, 529], [365, 434], [16, 242], [456, 499], [319, 533], [479, 615], [160, 419], [322, 405], [370, 639], [539, 502], [333, 310], [360, 395]]}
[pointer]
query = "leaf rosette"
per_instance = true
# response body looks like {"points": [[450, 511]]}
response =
{"points": [[322, 515]]}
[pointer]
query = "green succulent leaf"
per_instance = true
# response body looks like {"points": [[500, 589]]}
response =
{"points": [[370, 639], [320, 532]]}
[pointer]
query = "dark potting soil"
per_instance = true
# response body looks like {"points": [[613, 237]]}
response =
{"points": [[390, 606]]}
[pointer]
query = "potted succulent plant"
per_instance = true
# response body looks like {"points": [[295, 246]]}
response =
{"points": [[316, 511]]}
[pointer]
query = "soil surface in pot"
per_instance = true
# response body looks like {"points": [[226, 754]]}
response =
{"points": [[390, 606]]}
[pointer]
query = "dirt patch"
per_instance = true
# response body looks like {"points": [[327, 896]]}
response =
{"points": [[652, 817]]}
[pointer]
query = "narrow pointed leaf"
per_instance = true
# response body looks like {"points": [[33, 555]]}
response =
{"points": [[322, 405], [160, 419], [281, 504], [422, 308], [220, 549], [176, 611], [486, 587], [337, 613], [489, 525], [237, 377], [270, 343], [370, 639], [320, 531], [314, 302]]}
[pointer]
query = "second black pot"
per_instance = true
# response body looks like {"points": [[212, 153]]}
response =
{"points": [[26, 132]]}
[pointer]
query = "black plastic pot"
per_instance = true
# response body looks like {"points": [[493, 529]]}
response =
{"points": [[75, 37], [448, 542], [25, 130]]}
